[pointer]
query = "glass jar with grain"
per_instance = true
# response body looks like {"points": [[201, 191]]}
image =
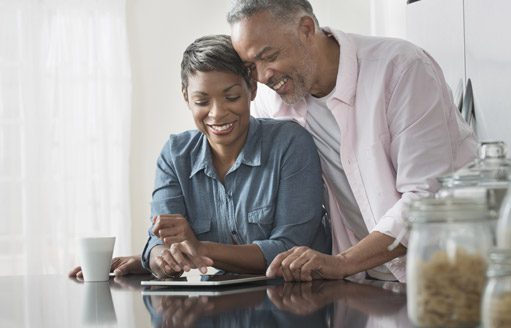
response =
{"points": [[496, 306], [446, 261]]}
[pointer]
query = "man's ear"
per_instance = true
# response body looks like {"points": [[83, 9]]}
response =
{"points": [[253, 89], [185, 95], [307, 27]]}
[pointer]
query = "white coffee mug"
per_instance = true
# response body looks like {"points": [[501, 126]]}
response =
{"points": [[96, 257]]}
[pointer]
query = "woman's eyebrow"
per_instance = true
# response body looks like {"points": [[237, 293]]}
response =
{"points": [[199, 93], [232, 86]]}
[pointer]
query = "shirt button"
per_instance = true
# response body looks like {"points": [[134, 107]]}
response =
{"points": [[233, 232]]}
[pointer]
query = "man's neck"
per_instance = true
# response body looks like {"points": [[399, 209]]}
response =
{"points": [[326, 74]]}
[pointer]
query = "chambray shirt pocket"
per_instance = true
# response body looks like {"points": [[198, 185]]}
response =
{"points": [[261, 222], [201, 226]]}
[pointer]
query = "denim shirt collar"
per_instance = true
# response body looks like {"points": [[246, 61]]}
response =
{"points": [[250, 153]]}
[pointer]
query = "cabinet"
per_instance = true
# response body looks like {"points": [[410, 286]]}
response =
{"points": [[470, 40]]}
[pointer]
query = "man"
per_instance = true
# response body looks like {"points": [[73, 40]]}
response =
{"points": [[381, 115]]}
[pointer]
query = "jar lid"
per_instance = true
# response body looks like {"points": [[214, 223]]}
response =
{"points": [[448, 209], [499, 262], [491, 169]]}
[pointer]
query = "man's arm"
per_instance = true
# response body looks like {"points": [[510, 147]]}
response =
{"points": [[305, 264]]}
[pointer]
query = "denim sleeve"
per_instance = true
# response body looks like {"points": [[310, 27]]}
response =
{"points": [[167, 198], [299, 207]]}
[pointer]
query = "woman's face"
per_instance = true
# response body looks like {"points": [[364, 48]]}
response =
{"points": [[220, 104]]}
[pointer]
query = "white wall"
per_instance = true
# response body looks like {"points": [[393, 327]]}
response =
{"points": [[158, 32]]}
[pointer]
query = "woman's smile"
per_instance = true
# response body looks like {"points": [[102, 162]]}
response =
{"points": [[221, 129]]}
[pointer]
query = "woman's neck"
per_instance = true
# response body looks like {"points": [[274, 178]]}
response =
{"points": [[223, 160]]}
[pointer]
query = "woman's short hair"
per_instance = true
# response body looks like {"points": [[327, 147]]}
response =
{"points": [[212, 53]]}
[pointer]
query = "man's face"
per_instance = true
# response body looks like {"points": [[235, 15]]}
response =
{"points": [[276, 55]]}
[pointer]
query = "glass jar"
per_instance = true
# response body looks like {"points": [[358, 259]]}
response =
{"points": [[488, 176], [496, 306], [446, 261], [504, 223]]}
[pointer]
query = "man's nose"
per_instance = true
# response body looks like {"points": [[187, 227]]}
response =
{"points": [[264, 74]]}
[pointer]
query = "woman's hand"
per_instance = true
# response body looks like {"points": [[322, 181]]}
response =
{"points": [[170, 263], [120, 266], [189, 256], [184, 251], [173, 228]]}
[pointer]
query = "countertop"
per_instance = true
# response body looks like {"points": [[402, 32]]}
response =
{"points": [[59, 301]]}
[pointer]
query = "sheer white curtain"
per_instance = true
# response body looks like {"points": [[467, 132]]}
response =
{"points": [[65, 109]]}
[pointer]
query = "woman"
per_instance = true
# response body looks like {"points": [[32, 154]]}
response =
{"points": [[238, 190]]}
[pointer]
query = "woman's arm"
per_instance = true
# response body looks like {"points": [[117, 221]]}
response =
{"points": [[231, 258]]}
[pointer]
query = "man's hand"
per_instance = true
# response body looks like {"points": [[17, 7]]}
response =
{"points": [[304, 264], [305, 297], [120, 266]]}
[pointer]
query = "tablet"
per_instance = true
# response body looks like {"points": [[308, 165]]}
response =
{"points": [[205, 280], [197, 292]]}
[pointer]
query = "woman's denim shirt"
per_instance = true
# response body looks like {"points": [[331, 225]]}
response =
{"points": [[272, 196]]}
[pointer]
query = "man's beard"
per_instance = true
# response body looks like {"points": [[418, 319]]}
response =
{"points": [[299, 91], [301, 84]]}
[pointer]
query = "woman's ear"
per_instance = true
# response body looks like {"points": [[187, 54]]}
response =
{"points": [[253, 89]]}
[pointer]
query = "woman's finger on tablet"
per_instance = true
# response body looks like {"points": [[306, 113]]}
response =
{"points": [[179, 256], [198, 261], [170, 262]]}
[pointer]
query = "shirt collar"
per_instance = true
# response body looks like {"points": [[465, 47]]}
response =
{"points": [[201, 157], [250, 153], [347, 74]]}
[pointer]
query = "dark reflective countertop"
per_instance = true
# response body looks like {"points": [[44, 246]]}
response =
{"points": [[58, 301]]}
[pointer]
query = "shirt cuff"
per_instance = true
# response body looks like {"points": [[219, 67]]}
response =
{"points": [[150, 244], [270, 249], [394, 227]]}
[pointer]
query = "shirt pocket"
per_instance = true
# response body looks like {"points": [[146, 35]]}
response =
{"points": [[202, 225], [261, 220]]}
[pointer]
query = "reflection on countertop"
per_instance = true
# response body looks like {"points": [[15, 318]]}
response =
{"points": [[57, 301], [316, 304]]}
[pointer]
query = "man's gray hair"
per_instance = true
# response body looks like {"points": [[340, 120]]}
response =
{"points": [[283, 10], [212, 53]]}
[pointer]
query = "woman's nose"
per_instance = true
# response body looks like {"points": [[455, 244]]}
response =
{"points": [[216, 109]]}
